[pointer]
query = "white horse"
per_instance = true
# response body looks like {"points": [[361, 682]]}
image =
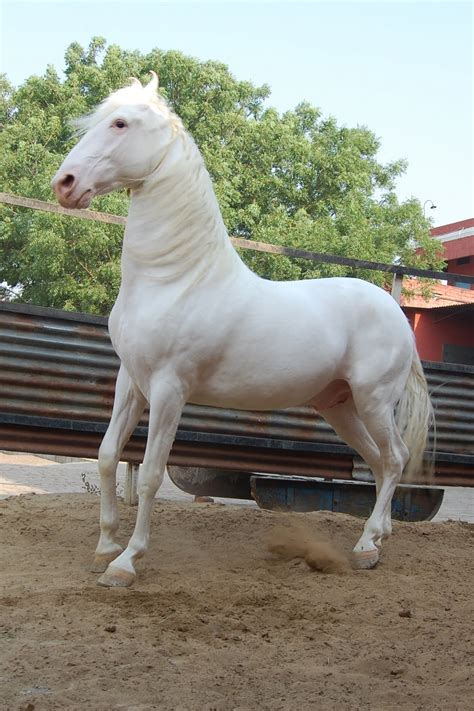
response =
{"points": [[193, 324]]}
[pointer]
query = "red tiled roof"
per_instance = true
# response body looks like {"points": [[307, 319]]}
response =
{"points": [[441, 296]]}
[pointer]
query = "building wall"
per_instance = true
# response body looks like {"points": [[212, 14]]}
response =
{"points": [[458, 248], [434, 328], [455, 268], [457, 245]]}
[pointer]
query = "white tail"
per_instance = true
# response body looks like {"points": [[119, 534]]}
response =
{"points": [[414, 417]]}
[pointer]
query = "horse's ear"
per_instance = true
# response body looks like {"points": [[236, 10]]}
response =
{"points": [[152, 86], [135, 82]]}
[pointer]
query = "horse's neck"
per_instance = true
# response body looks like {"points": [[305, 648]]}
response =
{"points": [[174, 227]]}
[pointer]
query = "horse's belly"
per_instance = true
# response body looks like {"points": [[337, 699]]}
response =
{"points": [[260, 390], [247, 400]]}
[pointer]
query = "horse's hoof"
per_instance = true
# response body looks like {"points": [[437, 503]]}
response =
{"points": [[101, 561], [116, 578], [363, 560]]}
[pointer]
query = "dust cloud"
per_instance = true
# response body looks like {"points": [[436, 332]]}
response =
{"points": [[297, 541]]}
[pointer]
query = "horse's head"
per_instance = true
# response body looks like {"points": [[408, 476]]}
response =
{"points": [[123, 143]]}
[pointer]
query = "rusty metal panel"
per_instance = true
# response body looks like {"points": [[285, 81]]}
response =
{"points": [[58, 369], [452, 393], [299, 423], [295, 494], [55, 367]]}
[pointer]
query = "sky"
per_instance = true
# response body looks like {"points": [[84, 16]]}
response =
{"points": [[403, 69]]}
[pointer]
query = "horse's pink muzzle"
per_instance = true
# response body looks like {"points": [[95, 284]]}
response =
{"points": [[68, 193]]}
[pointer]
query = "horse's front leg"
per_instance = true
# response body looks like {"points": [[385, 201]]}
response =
{"points": [[128, 407], [167, 400]]}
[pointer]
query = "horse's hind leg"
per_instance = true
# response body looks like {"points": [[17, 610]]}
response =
{"points": [[380, 423], [345, 421], [128, 407]]}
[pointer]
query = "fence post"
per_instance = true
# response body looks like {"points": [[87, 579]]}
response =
{"points": [[397, 284], [130, 497]]}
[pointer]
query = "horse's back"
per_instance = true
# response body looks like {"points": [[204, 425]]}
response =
{"points": [[356, 307]]}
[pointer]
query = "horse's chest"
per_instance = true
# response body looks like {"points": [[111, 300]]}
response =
{"points": [[150, 341], [138, 341]]}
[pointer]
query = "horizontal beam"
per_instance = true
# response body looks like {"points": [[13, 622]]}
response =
{"points": [[43, 206], [347, 261], [317, 257]]}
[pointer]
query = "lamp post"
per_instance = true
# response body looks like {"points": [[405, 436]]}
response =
{"points": [[432, 207]]}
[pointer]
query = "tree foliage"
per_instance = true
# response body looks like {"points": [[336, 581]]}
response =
{"points": [[295, 179]]}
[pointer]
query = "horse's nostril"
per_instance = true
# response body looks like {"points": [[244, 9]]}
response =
{"points": [[68, 181]]}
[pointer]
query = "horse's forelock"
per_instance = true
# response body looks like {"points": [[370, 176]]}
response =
{"points": [[130, 95]]}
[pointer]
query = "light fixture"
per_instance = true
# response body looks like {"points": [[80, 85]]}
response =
{"points": [[432, 206]]}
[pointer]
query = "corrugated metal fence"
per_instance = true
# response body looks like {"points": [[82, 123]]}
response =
{"points": [[57, 378]]}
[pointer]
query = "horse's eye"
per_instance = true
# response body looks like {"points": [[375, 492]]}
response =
{"points": [[119, 123]]}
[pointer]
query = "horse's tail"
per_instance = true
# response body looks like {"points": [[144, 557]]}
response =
{"points": [[414, 417]]}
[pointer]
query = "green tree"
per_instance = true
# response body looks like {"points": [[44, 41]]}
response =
{"points": [[296, 179]]}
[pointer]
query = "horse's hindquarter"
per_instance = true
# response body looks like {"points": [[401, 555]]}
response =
{"points": [[261, 345]]}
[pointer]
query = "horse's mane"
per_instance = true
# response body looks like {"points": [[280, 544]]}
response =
{"points": [[135, 93]]}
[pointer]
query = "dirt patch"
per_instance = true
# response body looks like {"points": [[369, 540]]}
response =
{"points": [[216, 622]]}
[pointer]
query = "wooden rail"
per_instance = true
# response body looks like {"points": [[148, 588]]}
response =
{"points": [[397, 269]]}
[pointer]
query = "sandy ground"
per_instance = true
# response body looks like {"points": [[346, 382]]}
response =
{"points": [[217, 622]]}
